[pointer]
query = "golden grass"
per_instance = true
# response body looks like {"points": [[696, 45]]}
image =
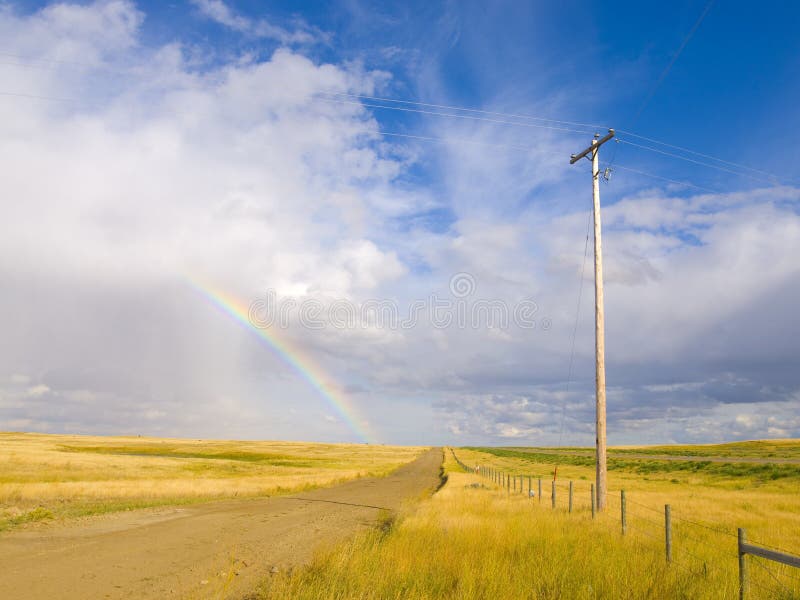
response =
{"points": [[47, 476], [481, 542]]}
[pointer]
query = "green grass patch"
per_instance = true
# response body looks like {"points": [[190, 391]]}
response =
{"points": [[756, 471], [279, 460], [37, 514]]}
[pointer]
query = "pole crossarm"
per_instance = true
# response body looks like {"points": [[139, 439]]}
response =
{"points": [[576, 157]]}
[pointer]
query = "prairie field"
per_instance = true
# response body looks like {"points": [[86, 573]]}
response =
{"points": [[474, 539], [55, 477]]}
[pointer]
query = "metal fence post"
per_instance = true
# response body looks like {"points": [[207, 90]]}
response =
{"points": [[594, 500], [668, 531], [743, 583], [622, 512], [570, 496]]}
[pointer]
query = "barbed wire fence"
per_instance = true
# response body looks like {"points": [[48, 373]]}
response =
{"points": [[710, 544]]}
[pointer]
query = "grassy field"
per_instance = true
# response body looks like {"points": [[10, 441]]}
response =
{"points": [[63, 476], [726, 474], [474, 540], [756, 450]]}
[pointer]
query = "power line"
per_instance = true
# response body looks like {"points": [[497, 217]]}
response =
{"points": [[47, 60], [554, 128], [48, 98], [574, 331], [700, 154], [441, 140], [675, 181], [697, 162], [510, 146], [668, 68], [451, 115], [473, 110]]}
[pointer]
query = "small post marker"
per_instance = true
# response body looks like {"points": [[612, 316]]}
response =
{"points": [[622, 512], [668, 531], [553, 494], [570, 496]]}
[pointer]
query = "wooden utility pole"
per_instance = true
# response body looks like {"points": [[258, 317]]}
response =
{"points": [[601, 488]]}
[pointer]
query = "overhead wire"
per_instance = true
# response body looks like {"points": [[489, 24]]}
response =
{"points": [[507, 118], [574, 331], [672, 61], [700, 154], [53, 61], [448, 140], [667, 179], [465, 109], [697, 162], [47, 98], [449, 115], [771, 181]]}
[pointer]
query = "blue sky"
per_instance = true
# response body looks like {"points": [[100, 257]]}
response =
{"points": [[730, 93], [233, 142]]}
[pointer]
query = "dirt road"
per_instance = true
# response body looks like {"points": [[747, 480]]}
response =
{"points": [[218, 550]]}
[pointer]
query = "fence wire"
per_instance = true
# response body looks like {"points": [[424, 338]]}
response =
{"points": [[640, 524]]}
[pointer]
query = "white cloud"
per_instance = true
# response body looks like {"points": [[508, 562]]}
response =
{"points": [[218, 11], [37, 391], [235, 175]]}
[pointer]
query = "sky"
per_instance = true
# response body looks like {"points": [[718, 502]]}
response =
{"points": [[357, 221]]}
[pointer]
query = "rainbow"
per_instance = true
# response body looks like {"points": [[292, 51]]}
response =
{"points": [[289, 353]]}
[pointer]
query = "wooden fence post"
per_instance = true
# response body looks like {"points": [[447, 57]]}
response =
{"points": [[743, 582], [594, 500], [540, 490], [668, 531], [622, 512], [570, 496], [553, 494]]}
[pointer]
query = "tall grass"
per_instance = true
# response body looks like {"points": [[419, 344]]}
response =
{"points": [[474, 540]]}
